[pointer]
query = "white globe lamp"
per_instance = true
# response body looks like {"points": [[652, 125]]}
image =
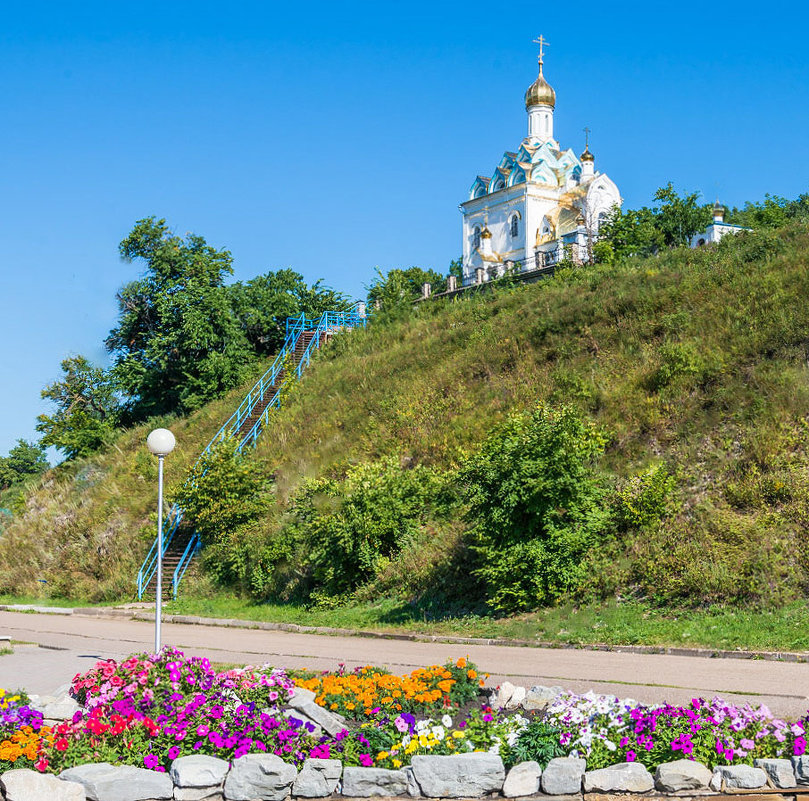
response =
{"points": [[160, 442]]}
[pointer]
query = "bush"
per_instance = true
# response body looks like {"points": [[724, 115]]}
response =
{"points": [[645, 498], [350, 529], [535, 506]]}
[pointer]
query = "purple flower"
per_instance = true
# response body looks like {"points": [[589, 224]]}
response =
{"points": [[150, 761]]}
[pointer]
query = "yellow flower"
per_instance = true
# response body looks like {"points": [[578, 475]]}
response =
{"points": [[458, 735], [397, 763]]}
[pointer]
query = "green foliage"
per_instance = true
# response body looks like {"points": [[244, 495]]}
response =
{"points": [[87, 409], [24, 460], [396, 288], [772, 212], [538, 741], [645, 231], [223, 492], [177, 343], [262, 305], [678, 219], [350, 529], [646, 498], [630, 232], [535, 506]]}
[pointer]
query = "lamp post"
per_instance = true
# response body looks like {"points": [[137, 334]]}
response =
{"points": [[161, 443]]}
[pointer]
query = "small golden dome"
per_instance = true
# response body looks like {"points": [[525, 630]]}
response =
{"points": [[540, 92], [587, 155], [486, 233]]}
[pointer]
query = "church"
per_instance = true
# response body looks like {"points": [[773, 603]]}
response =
{"points": [[539, 205]]}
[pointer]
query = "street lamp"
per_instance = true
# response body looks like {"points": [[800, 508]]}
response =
{"points": [[161, 443]]}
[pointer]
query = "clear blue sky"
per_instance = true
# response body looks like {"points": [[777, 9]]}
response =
{"points": [[337, 137]]}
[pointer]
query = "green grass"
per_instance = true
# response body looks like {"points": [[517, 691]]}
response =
{"points": [[696, 358], [784, 629]]}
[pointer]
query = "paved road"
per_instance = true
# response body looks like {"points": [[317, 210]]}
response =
{"points": [[69, 644]]}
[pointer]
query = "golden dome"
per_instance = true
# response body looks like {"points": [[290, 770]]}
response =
{"points": [[540, 92], [587, 155]]}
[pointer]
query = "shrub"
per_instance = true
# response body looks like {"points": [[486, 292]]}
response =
{"points": [[350, 529], [535, 506], [645, 498]]}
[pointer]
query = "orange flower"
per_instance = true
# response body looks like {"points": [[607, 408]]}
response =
{"points": [[461, 663]]}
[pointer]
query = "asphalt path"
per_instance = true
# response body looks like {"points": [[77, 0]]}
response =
{"points": [[62, 645]]}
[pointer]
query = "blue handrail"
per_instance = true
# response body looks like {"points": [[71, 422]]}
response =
{"points": [[328, 322], [194, 545]]}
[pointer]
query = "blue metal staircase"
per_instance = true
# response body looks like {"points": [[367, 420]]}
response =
{"points": [[303, 337]]}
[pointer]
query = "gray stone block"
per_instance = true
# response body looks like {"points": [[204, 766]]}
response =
{"points": [[626, 777], [539, 697], [563, 776], [522, 780], [22, 784], [779, 772], [682, 774], [198, 770], [259, 777], [737, 777], [198, 794], [459, 776], [328, 721], [368, 782], [105, 782], [318, 778]]}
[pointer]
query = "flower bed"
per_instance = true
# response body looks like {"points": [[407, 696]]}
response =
{"points": [[152, 710]]}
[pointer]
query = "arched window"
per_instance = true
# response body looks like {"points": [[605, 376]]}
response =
{"points": [[515, 226], [476, 238]]}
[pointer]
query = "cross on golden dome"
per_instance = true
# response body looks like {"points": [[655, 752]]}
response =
{"points": [[542, 41]]}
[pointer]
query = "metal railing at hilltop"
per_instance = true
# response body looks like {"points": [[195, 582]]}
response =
{"points": [[329, 323]]}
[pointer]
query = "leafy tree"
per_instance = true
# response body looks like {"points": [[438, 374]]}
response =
{"points": [[645, 231], [87, 409], [177, 343], [456, 267], [630, 232], [24, 460], [678, 219], [262, 305], [400, 287], [535, 504], [772, 212]]}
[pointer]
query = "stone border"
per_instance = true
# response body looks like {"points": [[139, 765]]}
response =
{"points": [[135, 614], [461, 776]]}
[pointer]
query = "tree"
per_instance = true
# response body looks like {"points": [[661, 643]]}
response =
{"points": [[772, 212], [536, 506], [177, 343], [262, 305], [400, 287], [87, 409], [24, 460], [678, 219], [630, 232]]}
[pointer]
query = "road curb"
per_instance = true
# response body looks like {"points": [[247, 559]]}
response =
{"points": [[295, 628]]}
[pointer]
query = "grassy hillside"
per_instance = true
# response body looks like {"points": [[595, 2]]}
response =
{"points": [[694, 359]]}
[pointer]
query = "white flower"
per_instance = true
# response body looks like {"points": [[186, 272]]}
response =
{"points": [[447, 721], [438, 732]]}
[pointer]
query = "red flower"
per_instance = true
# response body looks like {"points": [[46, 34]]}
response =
{"points": [[61, 744]]}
